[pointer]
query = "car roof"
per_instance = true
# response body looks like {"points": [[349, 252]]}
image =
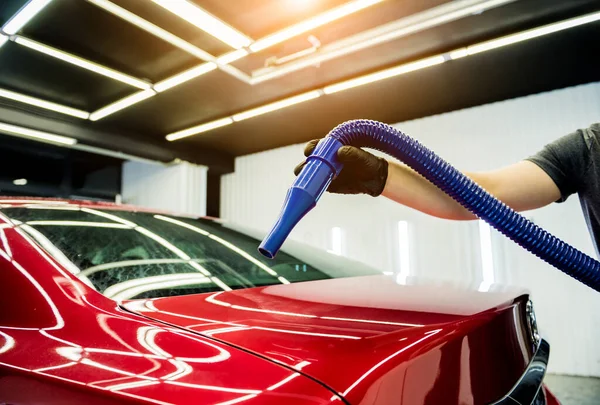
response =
{"points": [[82, 203]]}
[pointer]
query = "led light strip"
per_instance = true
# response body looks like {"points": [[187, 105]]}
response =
{"points": [[385, 74], [197, 16], [223, 61], [199, 129], [34, 134], [82, 63], [175, 40], [32, 8], [232, 56], [184, 76], [391, 72], [533, 33], [24, 15], [113, 107], [312, 23], [255, 112], [45, 137], [121, 104], [11, 95], [278, 105], [412, 24], [151, 28], [206, 22]]}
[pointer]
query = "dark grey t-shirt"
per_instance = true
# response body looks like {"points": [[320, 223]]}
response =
{"points": [[573, 162]]}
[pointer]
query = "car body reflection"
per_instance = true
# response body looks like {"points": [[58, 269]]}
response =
{"points": [[89, 341], [169, 310]]}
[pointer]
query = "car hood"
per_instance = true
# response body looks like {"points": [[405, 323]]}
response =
{"points": [[371, 339]]}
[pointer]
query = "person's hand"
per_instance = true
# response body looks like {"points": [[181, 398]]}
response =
{"points": [[363, 172]]}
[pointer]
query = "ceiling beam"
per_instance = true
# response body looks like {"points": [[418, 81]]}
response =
{"points": [[119, 142]]}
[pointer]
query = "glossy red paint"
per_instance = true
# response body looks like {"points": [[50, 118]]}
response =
{"points": [[63, 343], [368, 339]]}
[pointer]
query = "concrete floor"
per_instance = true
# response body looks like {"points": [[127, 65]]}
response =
{"points": [[574, 390]]}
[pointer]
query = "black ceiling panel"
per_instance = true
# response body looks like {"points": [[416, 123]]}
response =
{"points": [[216, 94], [34, 111], [80, 28], [76, 26], [39, 75], [531, 67], [8, 8], [493, 23], [369, 18], [210, 96]]}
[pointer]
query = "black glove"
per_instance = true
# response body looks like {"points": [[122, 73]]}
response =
{"points": [[363, 172]]}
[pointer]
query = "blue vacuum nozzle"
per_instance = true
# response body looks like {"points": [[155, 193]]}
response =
{"points": [[320, 169]]}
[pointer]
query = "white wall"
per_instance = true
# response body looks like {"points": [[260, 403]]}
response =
{"points": [[479, 138], [179, 188]]}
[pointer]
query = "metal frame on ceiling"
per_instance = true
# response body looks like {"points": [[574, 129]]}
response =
{"points": [[388, 73], [33, 7], [430, 18], [244, 46]]}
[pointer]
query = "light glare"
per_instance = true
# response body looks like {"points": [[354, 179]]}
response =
{"points": [[487, 258], [312, 23], [206, 22], [404, 252], [336, 241]]}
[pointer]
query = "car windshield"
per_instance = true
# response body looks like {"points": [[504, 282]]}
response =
{"points": [[138, 255]]}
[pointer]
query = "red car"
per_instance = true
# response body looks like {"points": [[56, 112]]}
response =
{"points": [[105, 304]]}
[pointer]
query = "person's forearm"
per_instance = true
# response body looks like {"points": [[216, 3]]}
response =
{"points": [[407, 187], [522, 186]]}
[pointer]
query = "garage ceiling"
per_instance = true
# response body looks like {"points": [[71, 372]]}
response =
{"points": [[102, 32]]}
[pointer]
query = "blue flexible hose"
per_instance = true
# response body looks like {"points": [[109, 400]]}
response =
{"points": [[379, 136]]}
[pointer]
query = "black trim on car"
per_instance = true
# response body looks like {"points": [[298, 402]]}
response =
{"points": [[526, 391]]}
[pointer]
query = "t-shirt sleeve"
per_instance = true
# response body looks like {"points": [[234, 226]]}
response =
{"points": [[565, 161]]}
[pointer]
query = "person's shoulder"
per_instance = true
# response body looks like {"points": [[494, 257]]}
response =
{"points": [[595, 128], [591, 134]]}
